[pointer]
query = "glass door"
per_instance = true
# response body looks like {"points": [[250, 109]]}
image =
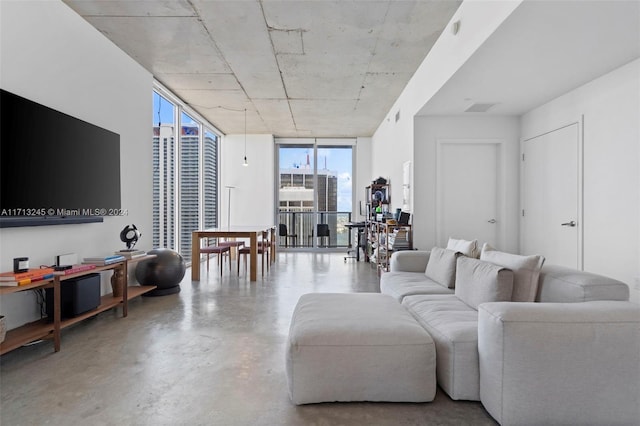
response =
{"points": [[296, 195], [314, 193], [334, 194]]}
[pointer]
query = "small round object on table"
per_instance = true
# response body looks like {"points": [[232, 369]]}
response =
{"points": [[165, 271]]}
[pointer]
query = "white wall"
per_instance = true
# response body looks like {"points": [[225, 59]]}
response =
{"points": [[393, 143], [430, 129], [252, 199], [54, 57], [611, 109]]}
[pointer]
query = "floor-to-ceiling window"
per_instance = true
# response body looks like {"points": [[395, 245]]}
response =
{"points": [[210, 178], [164, 157], [315, 191], [185, 173], [189, 183]]}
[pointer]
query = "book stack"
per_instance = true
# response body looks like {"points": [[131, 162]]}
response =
{"points": [[400, 240], [131, 254], [76, 269], [12, 279], [103, 260]]}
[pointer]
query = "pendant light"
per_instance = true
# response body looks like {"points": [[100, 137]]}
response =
{"points": [[245, 139]]}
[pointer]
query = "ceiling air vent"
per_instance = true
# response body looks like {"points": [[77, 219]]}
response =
{"points": [[479, 107]]}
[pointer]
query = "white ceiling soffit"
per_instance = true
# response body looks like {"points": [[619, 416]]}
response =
{"points": [[543, 50], [300, 68]]}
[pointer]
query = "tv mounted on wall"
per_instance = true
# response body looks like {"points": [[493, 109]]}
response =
{"points": [[54, 168]]}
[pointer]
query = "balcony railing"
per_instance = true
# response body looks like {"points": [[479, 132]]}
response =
{"points": [[301, 224]]}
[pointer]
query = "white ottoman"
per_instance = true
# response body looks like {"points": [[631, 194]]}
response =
{"points": [[358, 347]]}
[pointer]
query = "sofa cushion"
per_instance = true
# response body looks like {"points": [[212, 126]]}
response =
{"points": [[401, 284], [526, 270], [453, 326], [561, 284], [441, 267], [468, 248], [480, 282]]}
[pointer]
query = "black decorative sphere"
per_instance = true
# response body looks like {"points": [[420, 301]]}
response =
{"points": [[165, 271]]}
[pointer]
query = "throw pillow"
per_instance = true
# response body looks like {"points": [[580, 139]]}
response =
{"points": [[526, 270], [480, 282], [468, 248], [441, 267]]}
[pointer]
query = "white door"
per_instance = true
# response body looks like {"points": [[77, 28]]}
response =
{"points": [[550, 188], [467, 191]]}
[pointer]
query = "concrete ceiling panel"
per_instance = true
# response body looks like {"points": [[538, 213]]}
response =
{"points": [[237, 27], [242, 36], [205, 81], [339, 86], [329, 26], [276, 113], [262, 84], [288, 42], [409, 32], [374, 82], [322, 76], [234, 100], [165, 45], [141, 8], [401, 56], [324, 116]]}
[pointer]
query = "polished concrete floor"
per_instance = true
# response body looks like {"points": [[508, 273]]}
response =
{"points": [[211, 355]]}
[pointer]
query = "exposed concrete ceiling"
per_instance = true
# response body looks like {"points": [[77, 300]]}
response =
{"points": [[300, 68], [543, 50]]}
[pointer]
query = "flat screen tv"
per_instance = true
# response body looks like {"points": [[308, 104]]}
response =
{"points": [[54, 168]]}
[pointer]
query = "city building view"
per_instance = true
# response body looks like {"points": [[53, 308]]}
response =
{"points": [[165, 204], [299, 186]]}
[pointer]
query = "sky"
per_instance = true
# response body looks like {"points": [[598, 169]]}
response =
{"points": [[338, 160], [162, 110]]}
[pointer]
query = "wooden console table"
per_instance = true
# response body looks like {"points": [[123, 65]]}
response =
{"points": [[43, 328]]}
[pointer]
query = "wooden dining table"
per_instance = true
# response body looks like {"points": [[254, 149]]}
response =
{"points": [[250, 232]]}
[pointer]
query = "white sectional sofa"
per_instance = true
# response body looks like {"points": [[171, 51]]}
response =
{"points": [[535, 344]]}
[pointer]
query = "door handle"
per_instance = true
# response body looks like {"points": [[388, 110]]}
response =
{"points": [[571, 224], [492, 221]]}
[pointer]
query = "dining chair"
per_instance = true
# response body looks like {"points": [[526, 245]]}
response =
{"points": [[270, 240], [218, 249], [262, 248], [234, 245], [284, 233], [323, 232]]}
